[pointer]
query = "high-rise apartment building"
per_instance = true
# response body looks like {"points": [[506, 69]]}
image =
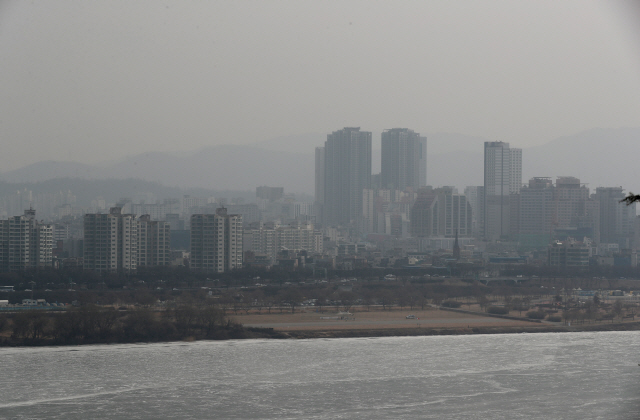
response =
{"points": [[216, 241], [404, 159], [154, 240], [502, 177], [441, 212], [319, 184], [547, 211], [537, 210], [117, 241], [421, 223], [25, 243], [110, 241], [617, 220], [451, 213], [347, 171], [515, 171], [475, 198]]}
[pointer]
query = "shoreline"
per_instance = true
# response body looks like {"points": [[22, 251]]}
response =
{"points": [[417, 332], [427, 321], [252, 333]]}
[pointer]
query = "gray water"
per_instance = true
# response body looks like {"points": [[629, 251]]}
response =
{"points": [[523, 376]]}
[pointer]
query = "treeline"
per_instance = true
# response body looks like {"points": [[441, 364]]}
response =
{"points": [[381, 295], [170, 277], [91, 324]]}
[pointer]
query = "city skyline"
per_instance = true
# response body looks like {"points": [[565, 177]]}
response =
{"points": [[299, 176]]}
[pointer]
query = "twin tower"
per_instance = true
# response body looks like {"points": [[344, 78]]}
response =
{"points": [[343, 169]]}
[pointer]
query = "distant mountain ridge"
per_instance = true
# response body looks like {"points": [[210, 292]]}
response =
{"points": [[599, 157]]}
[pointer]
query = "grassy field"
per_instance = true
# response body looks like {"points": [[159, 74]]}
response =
{"points": [[361, 319]]}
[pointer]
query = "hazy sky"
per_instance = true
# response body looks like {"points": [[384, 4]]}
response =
{"points": [[89, 81]]}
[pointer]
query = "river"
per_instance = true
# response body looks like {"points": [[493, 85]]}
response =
{"points": [[505, 376]]}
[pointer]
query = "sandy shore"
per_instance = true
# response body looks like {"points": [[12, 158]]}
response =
{"points": [[310, 320], [378, 323]]}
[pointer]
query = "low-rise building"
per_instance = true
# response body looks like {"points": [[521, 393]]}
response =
{"points": [[569, 253]]}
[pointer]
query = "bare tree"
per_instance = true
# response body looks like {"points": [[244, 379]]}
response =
{"points": [[292, 297], [30, 324], [347, 299], [483, 301], [589, 310], [268, 302], [630, 309], [385, 299], [618, 308]]}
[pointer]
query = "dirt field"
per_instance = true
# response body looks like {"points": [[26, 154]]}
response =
{"points": [[310, 320]]}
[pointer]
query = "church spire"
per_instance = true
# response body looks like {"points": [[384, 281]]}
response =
{"points": [[456, 247]]}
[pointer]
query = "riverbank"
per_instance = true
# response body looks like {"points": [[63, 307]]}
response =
{"points": [[427, 322], [134, 328], [403, 332]]}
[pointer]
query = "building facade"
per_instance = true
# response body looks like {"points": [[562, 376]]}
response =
{"points": [[110, 241], [501, 174], [617, 220], [404, 160], [270, 240], [25, 243], [319, 183], [117, 241], [154, 242], [475, 198], [569, 253], [547, 211], [347, 171], [441, 212], [216, 241], [515, 170]]}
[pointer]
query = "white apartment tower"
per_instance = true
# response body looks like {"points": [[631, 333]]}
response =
{"points": [[111, 241], [154, 238], [25, 243], [451, 213], [216, 241]]}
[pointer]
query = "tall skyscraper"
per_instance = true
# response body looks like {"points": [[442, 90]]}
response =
{"points": [[475, 197], [216, 241], [537, 211], [347, 171], [404, 159], [515, 171], [502, 176], [319, 189], [616, 219]]}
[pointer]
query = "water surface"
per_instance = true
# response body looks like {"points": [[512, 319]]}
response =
{"points": [[507, 376]]}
